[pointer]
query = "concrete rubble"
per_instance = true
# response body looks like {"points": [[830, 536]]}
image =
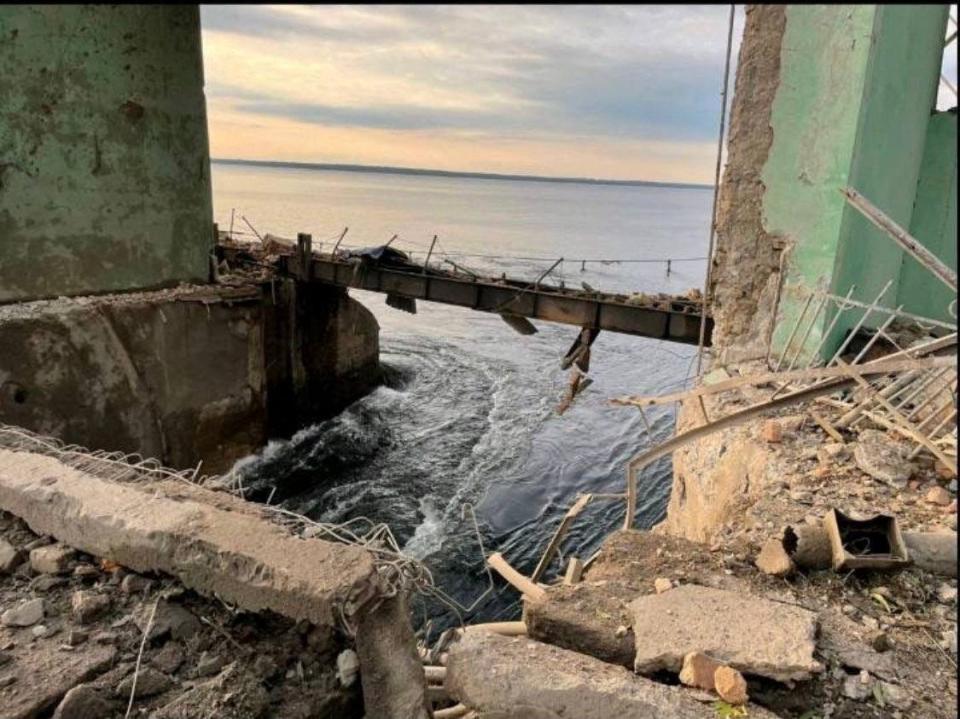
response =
{"points": [[753, 635], [518, 678]]}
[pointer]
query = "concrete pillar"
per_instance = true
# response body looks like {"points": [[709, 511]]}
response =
{"points": [[104, 157], [826, 96]]}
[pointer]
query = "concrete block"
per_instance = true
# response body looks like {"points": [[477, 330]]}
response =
{"points": [[52, 559], [212, 542], [517, 678], [753, 635]]}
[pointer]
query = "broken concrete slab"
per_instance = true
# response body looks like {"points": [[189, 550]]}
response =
{"points": [[882, 458], [518, 678], [585, 618], [391, 674], [44, 674], [212, 542], [753, 635]]}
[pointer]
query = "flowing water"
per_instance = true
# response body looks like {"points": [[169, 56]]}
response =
{"points": [[468, 413]]}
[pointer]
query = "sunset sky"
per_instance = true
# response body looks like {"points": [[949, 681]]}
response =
{"points": [[624, 92]]}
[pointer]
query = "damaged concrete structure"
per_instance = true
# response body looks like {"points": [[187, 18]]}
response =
{"points": [[116, 131]]}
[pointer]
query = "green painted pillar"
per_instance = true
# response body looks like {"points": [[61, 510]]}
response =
{"points": [[104, 157]]}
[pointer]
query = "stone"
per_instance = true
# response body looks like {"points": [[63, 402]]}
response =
{"points": [[392, 679], [880, 642], [24, 614], [150, 682], [854, 688], [46, 582], [170, 618], [882, 458], [76, 637], [169, 658], [212, 542], [247, 698], [86, 571], [833, 450], [730, 685], [52, 674], [135, 584], [348, 666], [82, 702], [698, 670], [938, 495], [42, 631], [52, 559], [950, 640], [895, 695], [209, 664], [774, 560], [947, 593], [10, 557], [105, 638], [89, 606], [771, 431], [517, 678], [752, 635], [662, 584]]}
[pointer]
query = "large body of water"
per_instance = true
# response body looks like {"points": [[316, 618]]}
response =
{"points": [[468, 416]]}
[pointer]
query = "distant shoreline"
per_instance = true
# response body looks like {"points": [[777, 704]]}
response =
{"points": [[383, 170]]}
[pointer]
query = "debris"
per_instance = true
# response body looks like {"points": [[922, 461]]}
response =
{"points": [[662, 584], [170, 618], [698, 671], [87, 606], [348, 666], [773, 559], [730, 685], [574, 571], [82, 702], [779, 644], [529, 590], [516, 678], [232, 694], [76, 637], [150, 682], [771, 431], [854, 686], [209, 664], [938, 495], [135, 584], [808, 546], [10, 557], [52, 559], [947, 594], [874, 543], [882, 458], [169, 658], [933, 551], [25, 614]]}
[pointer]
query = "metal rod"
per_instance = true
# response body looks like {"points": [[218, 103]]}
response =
{"points": [[903, 238], [874, 338], [391, 240], [716, 191], [429, 252], [251, 227], [793, 332], [856, 328], [339, 240], [232, 211], [536, 285], [949, 418]]}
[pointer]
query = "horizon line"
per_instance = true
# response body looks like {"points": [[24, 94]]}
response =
{"points": [[394, 170]]}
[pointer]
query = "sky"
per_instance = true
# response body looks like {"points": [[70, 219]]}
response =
{"points": [[608, 91]]}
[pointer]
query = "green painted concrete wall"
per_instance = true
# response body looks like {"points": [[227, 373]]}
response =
{"points": [[816, 112], [104, 157], [857, 86], [899, 96], [934, 221]]}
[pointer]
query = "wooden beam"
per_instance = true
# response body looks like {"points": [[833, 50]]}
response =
{"points": [[527, 588]]}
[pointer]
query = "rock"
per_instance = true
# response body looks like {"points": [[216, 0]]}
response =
{"points": [[76, 637], [516, 678], [662, 584], [82, 702], [854, 688], [348, 665], [881, 642], [10, 557], [169, 658], [150, 682], [952, 487], [947, 593], [895, 695], [938, 495], [771, 431], [42, 631], [264, 667], [86, 571], [105, 638], [88, 606], [208, 665], [774, 560], [950, 640], [698, 670], [170, 618], [833, 450], [25, 614], [52, 559], [753, 635], [46, 582], [5, 658], [730, 685], [135, 584], [232, 694], [7, 680], [882, 458]]}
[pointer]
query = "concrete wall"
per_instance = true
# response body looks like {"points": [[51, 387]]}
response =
{"points": [[104, 158], [825, 97], [934, 221], [181, 375]]}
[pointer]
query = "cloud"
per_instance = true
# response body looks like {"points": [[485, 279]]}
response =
{"points": [[597, 74]]}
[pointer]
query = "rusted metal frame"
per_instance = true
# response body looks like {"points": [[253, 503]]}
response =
{"points": [[952, 415], [920, 407], [876, 335], [903, 238], [793, 332], [891, 392], [856, 328], [806, 334]]}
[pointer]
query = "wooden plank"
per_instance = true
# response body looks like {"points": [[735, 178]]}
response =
{"points": [[574, 571], [528, 589], [826, 426]]}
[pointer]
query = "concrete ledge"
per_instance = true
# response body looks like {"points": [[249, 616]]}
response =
{"points": [[212, 542]]}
